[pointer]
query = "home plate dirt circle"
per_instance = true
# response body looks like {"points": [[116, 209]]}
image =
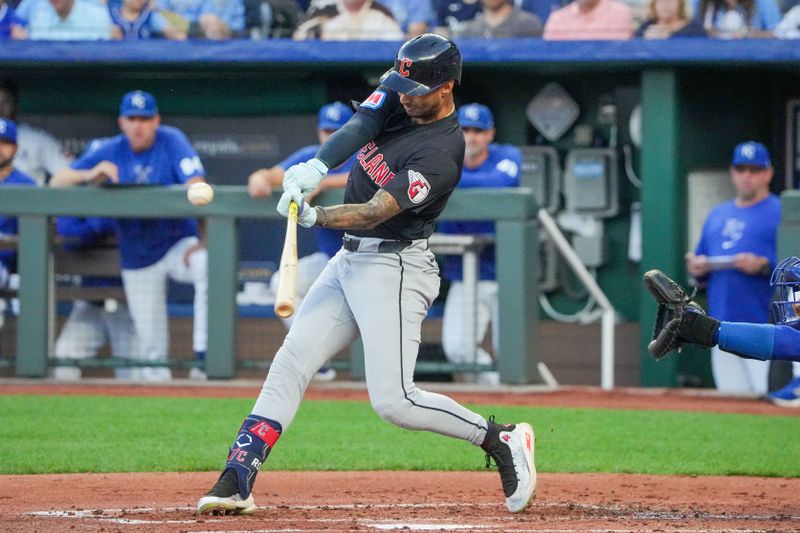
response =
{"points": [[409, 501], [402, 501]]}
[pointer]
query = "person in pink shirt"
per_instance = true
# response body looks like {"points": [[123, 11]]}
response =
{"points": [[590, 20]]}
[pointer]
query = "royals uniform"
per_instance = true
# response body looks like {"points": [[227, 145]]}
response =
{"points": [[501, 169], [151, 250], [382, 282], [734, 296]]}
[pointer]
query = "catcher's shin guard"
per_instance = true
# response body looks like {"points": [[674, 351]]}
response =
{"points": [[232, 492]]}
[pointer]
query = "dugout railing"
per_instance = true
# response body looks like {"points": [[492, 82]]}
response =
{"points": [[517, 262]]}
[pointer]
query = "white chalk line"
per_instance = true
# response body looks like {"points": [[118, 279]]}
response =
{"points": [[611, 512]]}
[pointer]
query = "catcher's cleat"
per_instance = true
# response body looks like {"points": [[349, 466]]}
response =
{"points": [[224, 498], [511, 447]]}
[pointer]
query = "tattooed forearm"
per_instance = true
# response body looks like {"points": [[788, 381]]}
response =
{"points": [[381, 207]]}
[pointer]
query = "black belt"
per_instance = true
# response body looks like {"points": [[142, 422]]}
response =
{"points": [[351, 244]]}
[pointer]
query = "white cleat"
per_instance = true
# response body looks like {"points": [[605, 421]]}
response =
{"points": [[231, 505], [224, 498], [511, 447]]}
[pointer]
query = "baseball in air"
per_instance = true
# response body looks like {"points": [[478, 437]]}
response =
{"points": [[200, 193]]}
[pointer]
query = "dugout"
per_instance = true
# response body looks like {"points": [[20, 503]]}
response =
{"points": [[698, 99]]}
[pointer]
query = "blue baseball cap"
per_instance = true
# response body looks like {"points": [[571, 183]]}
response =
{"points": [[8, 130], [751, 153], [333, 116], [475, 116], [138, 104]]}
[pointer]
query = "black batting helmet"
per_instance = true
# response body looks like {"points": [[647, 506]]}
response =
{"points": [[423, 64]]}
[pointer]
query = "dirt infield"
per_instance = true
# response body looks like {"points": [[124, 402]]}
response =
{"points": [[410, 501]]}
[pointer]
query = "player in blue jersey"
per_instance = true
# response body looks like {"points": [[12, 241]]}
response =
{"points": [[9, 176], [486, 164], [733, 259], [151, 250], [261, 182], [680, 321]]}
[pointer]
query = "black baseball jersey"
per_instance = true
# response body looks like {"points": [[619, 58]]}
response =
{"points": [[418, 164]]}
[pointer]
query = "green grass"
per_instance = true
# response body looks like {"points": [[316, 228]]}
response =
{"points": [[55, 434]]}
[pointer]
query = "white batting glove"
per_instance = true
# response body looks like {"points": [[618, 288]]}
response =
{"points": [[306, 215], [305, 176]]}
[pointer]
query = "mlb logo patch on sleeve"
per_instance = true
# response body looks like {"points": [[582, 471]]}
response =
{"points": [[375, 100], [418, 187]]}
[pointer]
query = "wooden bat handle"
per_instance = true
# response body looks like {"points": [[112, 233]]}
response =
{"points": [[287, 285]]}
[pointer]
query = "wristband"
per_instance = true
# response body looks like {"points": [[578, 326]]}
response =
{"points": [[322, 222]]}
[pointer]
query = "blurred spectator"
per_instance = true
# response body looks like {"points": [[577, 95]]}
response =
{"points": [[65, 20], [736, 19], [209, 19], [789, 26], [450, 14], [9, 176], [267, 19], [668, 18], [92, 324], [500, 20], [10, 23], [414, 16], [39, 154], [589, 20], [136, 19], [350, 20]]}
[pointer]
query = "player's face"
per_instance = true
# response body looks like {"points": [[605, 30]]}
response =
{"points": [[750, 181], [477, 141], [140, 131], [7, 152], [424, 109]]}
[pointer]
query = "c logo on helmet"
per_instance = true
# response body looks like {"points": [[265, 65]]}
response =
{"points": [[405, 63]]}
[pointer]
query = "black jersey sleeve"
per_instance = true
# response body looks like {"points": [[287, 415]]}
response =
{"points": [[425, 179], [368, 122]]}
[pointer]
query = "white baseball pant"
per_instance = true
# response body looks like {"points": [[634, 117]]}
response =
{"points": [[455, 344], [735, 375], [385, 297], [87, 329], [146, 292]]}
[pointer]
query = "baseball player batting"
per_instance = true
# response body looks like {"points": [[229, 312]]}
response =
{"points": [[681, 321], [409, 151]]}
